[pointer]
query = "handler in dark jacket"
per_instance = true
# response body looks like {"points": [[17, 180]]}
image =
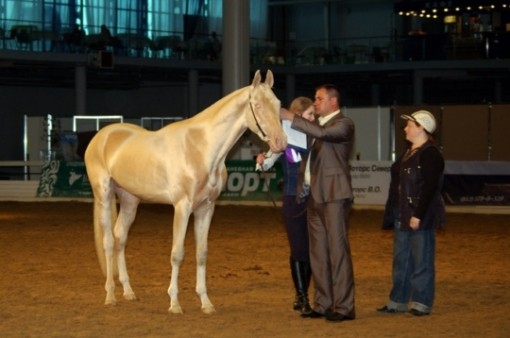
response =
{"points": [[415, 209]]}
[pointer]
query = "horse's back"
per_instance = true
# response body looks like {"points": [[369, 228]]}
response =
{"points": [[142, 162], [109, 139], [115, 133]]}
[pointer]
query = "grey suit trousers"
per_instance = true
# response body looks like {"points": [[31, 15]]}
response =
{"points": [[330, 257]]}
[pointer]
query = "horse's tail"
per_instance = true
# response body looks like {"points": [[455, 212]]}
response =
{"points": [[98, 235]]}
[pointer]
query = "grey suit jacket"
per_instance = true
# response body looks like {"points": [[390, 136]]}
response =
{"points": [[330, 175]]}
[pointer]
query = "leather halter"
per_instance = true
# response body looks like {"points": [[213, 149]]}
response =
{"points": [[255, 117]]}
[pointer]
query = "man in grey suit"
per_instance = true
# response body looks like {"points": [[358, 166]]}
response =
{"points": [[326, 175]]}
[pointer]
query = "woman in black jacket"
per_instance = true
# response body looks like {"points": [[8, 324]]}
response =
{"points": [[415, 209]]}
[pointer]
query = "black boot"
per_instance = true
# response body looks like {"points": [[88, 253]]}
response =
{"points": [[307, 276], [301, 274]]}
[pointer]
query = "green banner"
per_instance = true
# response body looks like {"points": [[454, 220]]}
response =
{"points": [[244, 183], [69, 179], [64, 179]]}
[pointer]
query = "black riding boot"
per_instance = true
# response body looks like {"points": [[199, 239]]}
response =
{"points": [[301, 275]]}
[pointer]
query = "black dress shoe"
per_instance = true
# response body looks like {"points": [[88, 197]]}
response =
{"points": [[337, 317], [418, 313], [386, 309], [312, 314]]}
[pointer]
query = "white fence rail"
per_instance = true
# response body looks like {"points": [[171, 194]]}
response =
{"points": [[27, 179]]}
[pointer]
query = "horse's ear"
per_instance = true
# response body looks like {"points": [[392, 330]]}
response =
{"points": [[269, 78], [256, 79]]}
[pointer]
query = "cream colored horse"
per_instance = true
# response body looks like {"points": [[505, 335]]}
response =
{"points": [[182, 164]]}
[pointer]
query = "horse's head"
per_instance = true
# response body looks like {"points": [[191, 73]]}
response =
{"points": [[264, 113]]}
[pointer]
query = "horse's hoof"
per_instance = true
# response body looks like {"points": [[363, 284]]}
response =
{"points": [[209, 310], [130, 296], [110, 302], [175, 310]]}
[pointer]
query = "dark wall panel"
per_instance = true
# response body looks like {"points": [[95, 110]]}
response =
{"points": [[465, 133], [500, 135]]}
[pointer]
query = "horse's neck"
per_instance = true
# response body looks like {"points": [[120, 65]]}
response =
{"points": [[225, 123]]}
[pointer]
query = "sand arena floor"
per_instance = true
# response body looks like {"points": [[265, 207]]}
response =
{"points": [[51, 284]]}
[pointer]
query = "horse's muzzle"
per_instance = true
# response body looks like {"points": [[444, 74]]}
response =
{"points": [[278, 144]]}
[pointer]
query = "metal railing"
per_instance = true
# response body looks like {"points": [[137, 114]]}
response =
{"points": [[358, 50]]}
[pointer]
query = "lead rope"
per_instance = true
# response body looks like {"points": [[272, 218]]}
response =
{"points": [[263, 173]]}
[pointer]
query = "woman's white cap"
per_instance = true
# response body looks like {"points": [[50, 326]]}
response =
{"points": [[423, 118]]}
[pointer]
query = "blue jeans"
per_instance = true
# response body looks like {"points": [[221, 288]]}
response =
{"points": [[413, 269]]}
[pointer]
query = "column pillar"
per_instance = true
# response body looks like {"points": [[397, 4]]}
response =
{"points": [[497, 91], [290, 89], [417, 88], [375, 93], [80, 85], [236, 45], [193, 92]]}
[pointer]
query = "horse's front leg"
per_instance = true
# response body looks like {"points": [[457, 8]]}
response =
{"points": [[203, 216], [180, 225], [127, 214]]}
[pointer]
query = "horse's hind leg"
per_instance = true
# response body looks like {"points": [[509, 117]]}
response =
{"points": [[203, 216], [127, 214], [103, 228]]}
